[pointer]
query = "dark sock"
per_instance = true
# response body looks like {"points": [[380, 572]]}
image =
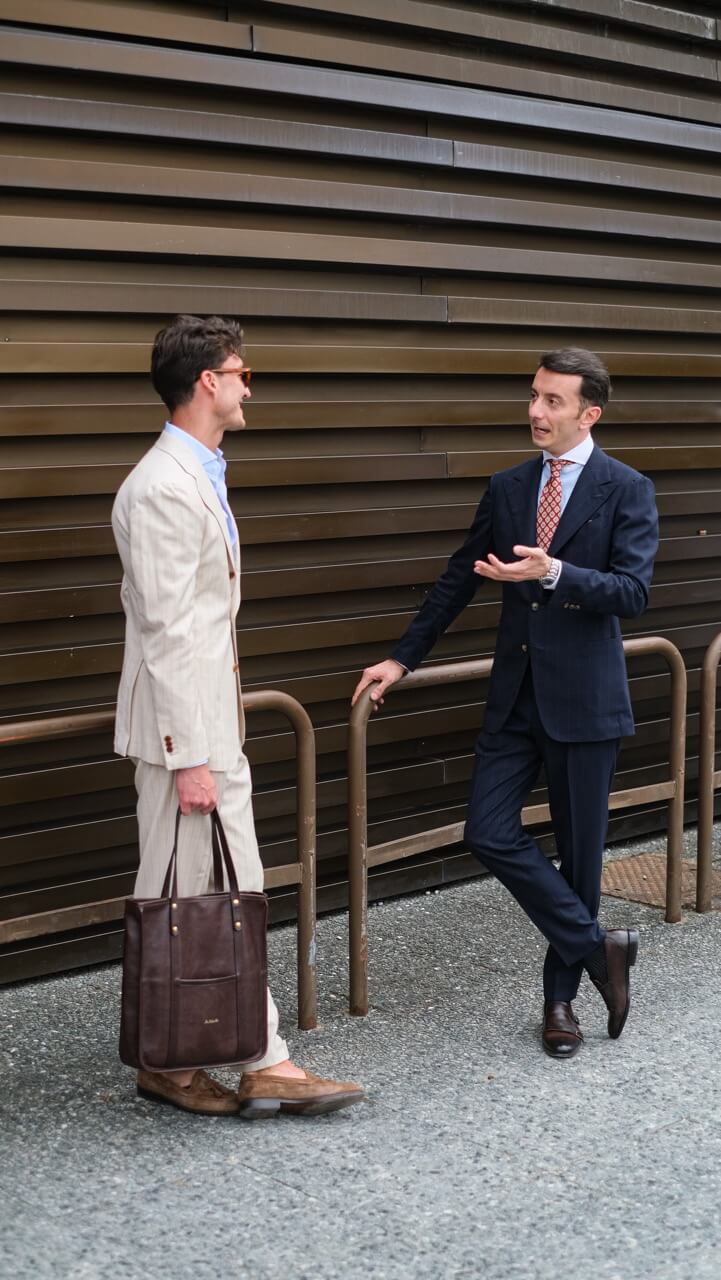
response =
{"points": [[595, 963]]}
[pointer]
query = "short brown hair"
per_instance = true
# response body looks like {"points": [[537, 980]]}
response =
{"points": [[184, 348], [595, 379]]}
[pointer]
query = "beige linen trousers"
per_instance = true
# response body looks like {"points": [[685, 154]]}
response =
{"points": [[179, 701]]}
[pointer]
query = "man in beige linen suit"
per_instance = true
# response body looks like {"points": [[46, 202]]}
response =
{"points": [[179, 714]]}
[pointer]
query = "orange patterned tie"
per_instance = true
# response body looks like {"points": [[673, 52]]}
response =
{"points": [[549, 507]]}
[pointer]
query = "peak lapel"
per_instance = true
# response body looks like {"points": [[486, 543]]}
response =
{"points": [[591, 489], [522, 492]]}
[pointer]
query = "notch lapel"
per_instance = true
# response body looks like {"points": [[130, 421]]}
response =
{"points": [[185, 457]]}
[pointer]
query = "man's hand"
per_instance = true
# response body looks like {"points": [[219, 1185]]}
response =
{"points": [[196, 790], [535, 563], [383, 674]]}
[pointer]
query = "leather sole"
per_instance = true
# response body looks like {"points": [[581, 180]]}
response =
{"points": [[170, 1102], [267, 1108]]}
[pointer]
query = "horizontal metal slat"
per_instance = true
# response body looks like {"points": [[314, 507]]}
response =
{"points": [[583, 170], [107, 236], [667, 122], [210, 127], [638, 13], [211, 186], [130, 20], [156, 299], [31, 482], [488, 27], [668, 458], [132, 357], [462, 69]]}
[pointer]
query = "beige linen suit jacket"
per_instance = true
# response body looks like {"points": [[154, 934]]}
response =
{"points": [[179, 698]]}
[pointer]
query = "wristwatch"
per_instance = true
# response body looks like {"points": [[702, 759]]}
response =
{"points": [[551, 578]]}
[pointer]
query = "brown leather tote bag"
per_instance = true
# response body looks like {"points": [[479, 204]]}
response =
{"points": [[195, 972]]}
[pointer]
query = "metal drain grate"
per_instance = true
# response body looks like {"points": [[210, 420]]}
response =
{"points": [[642, 878]]}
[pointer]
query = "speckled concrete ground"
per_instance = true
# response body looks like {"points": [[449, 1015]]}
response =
{"points": [[474, 1155]]}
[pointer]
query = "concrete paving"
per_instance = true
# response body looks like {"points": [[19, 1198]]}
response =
{"points": [[473, 1156]]}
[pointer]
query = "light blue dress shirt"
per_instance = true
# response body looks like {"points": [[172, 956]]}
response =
{"points": [[569, 475], [214, 467]]}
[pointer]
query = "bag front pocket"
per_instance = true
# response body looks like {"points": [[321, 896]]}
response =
{"points": [[205, 1021]]}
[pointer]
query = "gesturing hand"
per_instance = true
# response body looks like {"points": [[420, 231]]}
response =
{"points": [[534, 563], [196, 790], [383, 675]]}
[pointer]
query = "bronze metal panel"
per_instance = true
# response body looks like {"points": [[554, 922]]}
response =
{"points": [[135, 299], [414, 61], [43, 173], [129, 20], [402, 248], [263, 75], [634, 13], [580, 170], [212, 127], [487, 26], [101, 236], [652, 459], [544, 313]]}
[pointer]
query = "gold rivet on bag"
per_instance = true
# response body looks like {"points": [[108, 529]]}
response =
{"points": [[174, 928], [236, 902], [237, 924]]}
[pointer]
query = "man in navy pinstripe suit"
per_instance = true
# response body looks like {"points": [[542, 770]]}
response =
{"points": [[571, 535]]}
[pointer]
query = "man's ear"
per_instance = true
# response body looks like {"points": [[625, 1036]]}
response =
{"points": [[590, 416], [207, 380]]}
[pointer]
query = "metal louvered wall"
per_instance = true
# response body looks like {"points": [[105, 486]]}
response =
{"points": [[405, 208]]}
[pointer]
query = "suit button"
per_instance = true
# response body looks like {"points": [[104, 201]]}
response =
{"points": [[524, 648], [535, 606]]}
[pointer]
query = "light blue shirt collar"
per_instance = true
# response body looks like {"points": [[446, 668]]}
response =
{"points": [[214, 466], [580, 452], [200, 450]]}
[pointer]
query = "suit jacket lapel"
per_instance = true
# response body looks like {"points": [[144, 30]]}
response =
{"points": [[523, 500], [189, 462], [591, 490]]}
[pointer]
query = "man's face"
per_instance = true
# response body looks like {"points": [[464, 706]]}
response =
{"points": [[558, 422], [231, 392]]}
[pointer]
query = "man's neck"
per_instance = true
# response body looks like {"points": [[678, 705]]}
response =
{"points": [[208, 433]]}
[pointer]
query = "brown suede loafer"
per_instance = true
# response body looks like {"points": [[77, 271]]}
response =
{"points": [[263, 1095], [561, 1036], [204, 1096], [620, 948]]}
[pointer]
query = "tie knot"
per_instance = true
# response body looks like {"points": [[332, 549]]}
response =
{"points": [[557, 463]]}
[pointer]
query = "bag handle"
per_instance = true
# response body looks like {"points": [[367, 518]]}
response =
{"points": [[221, 855]]}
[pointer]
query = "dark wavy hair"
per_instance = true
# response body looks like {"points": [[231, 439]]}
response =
{"points": [[595, 380], [184, 348]]}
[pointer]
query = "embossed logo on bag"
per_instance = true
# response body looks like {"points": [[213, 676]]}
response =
{"points": [[209, 1021]]}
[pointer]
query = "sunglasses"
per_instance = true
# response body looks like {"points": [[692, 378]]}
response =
{"points": [[243, 374]]}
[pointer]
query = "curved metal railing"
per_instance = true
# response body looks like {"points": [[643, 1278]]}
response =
{"points": [[301, 873], [708, 778], [361, 857]]}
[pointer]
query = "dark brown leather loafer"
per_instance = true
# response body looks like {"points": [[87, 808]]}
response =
{"points": [[620, 948], [263, 1095], [561, 1036], [203, 1096]]}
